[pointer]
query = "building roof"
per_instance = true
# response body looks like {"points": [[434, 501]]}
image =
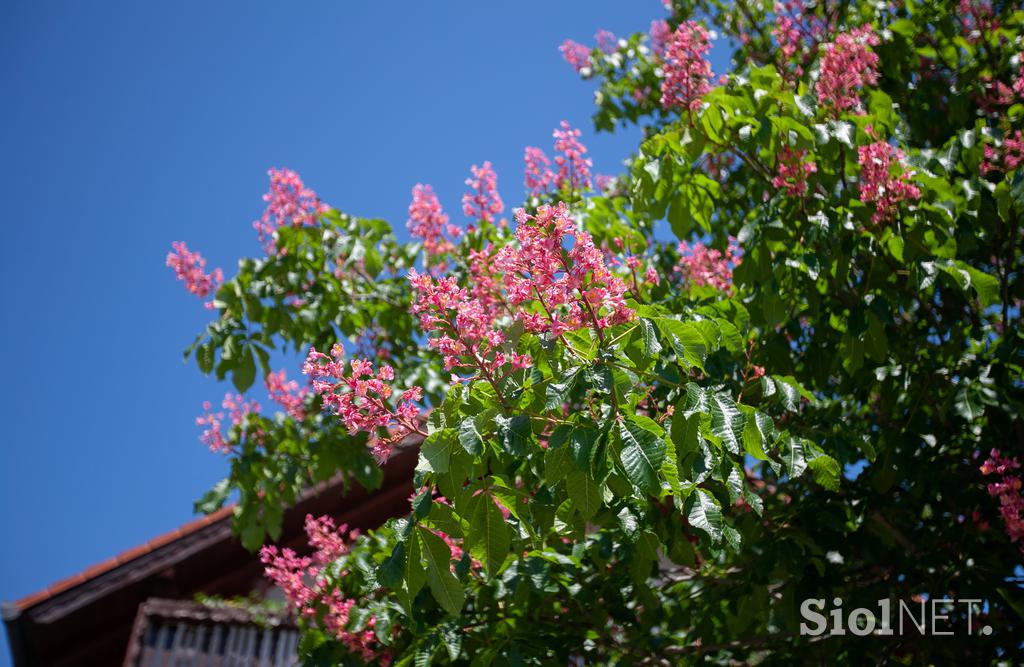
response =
{"points": [[88, 618]]}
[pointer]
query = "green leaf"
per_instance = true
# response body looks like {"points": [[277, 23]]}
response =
{"points": [[446, 588], [726, 420], [642, 454], [793, 457], [488, 537], [470, 438], [649, 335], [558, 392], [689, 344], [245, 372], [826, 471], [758, 434], [584, 492], [437, 449], [706, 514]]}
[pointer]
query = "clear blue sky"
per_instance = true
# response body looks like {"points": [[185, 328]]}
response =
{"points": [[127, 125]]}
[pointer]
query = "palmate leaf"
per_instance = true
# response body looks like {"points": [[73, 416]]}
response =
{"points": [[642, 454]]}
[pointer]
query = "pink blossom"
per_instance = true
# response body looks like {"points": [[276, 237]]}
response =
{"points": [[1003, 157], [482, 202], [573, 167], [463, 323], [212, 422], [575, 54], [879, 185], [1008, 491], [287, 394], [606, 41], [573, 289], [304, 580], [798, 31], [792, 171], [660, 34], [289, 202], [847, 65], [362, 398], [977, 19], [687, 70], [428, 222], [537, 175], [603, 181], [703, 266], [189, 267]]}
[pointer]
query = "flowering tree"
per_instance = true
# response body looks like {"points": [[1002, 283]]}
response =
{"points": [[635, 448]]}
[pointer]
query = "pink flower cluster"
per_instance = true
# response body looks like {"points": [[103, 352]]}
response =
{"points": [[977, 19], [572, 166], [701, 265], [575, 54], [660, 33], [361, 398], [1008, 491], [1018, 83], [847, 65], [878, 185], [1005, 157], [428, 222], [238, 409], [304, 582], [289, 202], [482, 202], [687, 70], [574, 289], [190, 267], [287, 394], [606, 41], [798, 32], [467, 336], [792, 171]]}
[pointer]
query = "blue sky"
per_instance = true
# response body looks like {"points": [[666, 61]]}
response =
{"points": [[128, 125]]}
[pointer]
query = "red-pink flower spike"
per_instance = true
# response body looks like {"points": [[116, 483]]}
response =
{"points": [[573, 289], [878, 185], [798, 32], [287, 394], [482, 202], [428, 222], [1005, 157], [573, 167], [847, 66], [701, 265], [793, 170], [687, 70], [660, 33], [465, 324], [607, 42], [1008, 491], [303, 582], [361, 398], [238, 409], [575, 54], [289, 202], [538, 176], [189, 267]]}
